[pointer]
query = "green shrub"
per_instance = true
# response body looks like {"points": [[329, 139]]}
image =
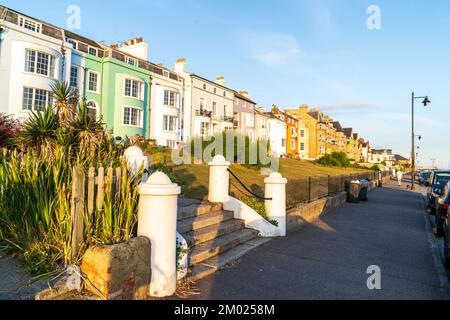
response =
{"points": [[336, 159], [375, 168], [241, 155], [36, 186], [259, 207]]}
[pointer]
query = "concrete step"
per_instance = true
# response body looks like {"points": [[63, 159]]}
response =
{"points": [[225, 259], [210, 249], [199, 236], [202, 221], [198, 210]]}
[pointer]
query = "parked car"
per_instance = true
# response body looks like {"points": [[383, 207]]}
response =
{"points": [[424, 176], [436, 183], [446, 228], [442, 203]]}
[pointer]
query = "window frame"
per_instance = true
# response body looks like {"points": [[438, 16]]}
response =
{"points": [[174, 123], [140, 125], [51, 63], [73, 67], [22, 20], [94, 49], [89, 81], [48, 98], [141, 88], [97, 110], [129, 59]]}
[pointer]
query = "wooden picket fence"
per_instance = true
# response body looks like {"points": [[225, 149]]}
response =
{"points": [[88, 193]]}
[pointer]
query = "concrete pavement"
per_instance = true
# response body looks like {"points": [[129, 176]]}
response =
{"points": [[328, 259]]}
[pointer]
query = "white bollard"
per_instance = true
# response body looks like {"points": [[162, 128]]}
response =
{"points": [[276, 208], [136, 159], [219, 180], [157, 221]]}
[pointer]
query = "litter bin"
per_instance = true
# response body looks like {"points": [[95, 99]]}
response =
{"points": [[364, 190], [353, 192]]}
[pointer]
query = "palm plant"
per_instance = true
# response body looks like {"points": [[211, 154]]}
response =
{"points": [[66, 101], [87, 130], [39, 130]]}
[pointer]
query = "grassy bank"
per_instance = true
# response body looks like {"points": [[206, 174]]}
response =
{"points": [[195, 178]]}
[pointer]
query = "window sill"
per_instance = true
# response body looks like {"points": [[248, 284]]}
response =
{"points": [[39, 75], [132, 126]]}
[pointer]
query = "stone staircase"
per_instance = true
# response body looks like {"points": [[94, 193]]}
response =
{"points": [[214, 237]]}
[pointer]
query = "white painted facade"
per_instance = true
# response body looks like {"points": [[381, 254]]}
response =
{"points": [[208, 106], [14, 42], [277, 135], [166, 100]]}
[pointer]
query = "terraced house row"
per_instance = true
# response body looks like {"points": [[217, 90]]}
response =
{"points": [[135, 97]]}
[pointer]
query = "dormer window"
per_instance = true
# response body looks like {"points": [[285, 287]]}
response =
{"points": [[29, 24], [93, 51], [166, 74], [73, 43], [131, 61]]}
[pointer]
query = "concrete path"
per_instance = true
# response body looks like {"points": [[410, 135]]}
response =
{"points": [[12, 278], [329, 258]]}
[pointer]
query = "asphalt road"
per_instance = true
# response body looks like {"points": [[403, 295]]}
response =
{"points": [[328, 259]]}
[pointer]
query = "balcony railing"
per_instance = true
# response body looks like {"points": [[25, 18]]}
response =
{"points": [[203, 113], [227, 119]]}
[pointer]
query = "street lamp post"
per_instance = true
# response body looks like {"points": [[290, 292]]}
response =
{"points": [[425, 102]]}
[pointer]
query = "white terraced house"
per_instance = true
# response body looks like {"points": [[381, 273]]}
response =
{"points": [[30, 59], [208, 105], [166, 98]]}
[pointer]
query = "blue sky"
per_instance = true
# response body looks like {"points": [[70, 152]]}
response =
{"points": [[317, 52]]}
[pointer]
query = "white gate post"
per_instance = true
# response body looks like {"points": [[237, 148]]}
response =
{"points": [[136, 159], [219, 180], [157, 221], [276, 208]]}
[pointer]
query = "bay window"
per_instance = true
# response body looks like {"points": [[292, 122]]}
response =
{"points": [[36, 99], [40, 63], [169, 123], [132, 117], [134, 89]]}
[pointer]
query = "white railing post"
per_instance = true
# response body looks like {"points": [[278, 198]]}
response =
{"points": [[219, 180], [276, 208], [136, 159], [157, 220]]}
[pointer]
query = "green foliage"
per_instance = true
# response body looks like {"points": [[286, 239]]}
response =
{"points": [[375, 168], [168, 171], [248, 152], [259, 207], [36, 187], [336, 159]]}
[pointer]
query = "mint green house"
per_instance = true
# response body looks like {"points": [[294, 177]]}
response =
{"points": [[126, 95], [116, 86]]}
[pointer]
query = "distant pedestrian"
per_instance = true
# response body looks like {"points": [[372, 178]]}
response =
{"points": [[399, 178]]}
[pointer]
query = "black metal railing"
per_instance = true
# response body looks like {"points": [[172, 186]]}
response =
{"points": [[248, 189]]}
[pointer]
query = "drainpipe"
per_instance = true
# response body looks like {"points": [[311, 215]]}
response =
{"points": [[149, 100]]}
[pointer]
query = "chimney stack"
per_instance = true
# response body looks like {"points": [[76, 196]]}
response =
{"points": [[180, 66], [220, 80], [245, 94]]}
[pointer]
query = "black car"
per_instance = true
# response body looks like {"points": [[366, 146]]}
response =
{"points": [[424, 176], [442, 202], [436, 183]]}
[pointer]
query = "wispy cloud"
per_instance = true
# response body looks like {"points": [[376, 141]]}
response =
{"points": [[273, 49]]}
